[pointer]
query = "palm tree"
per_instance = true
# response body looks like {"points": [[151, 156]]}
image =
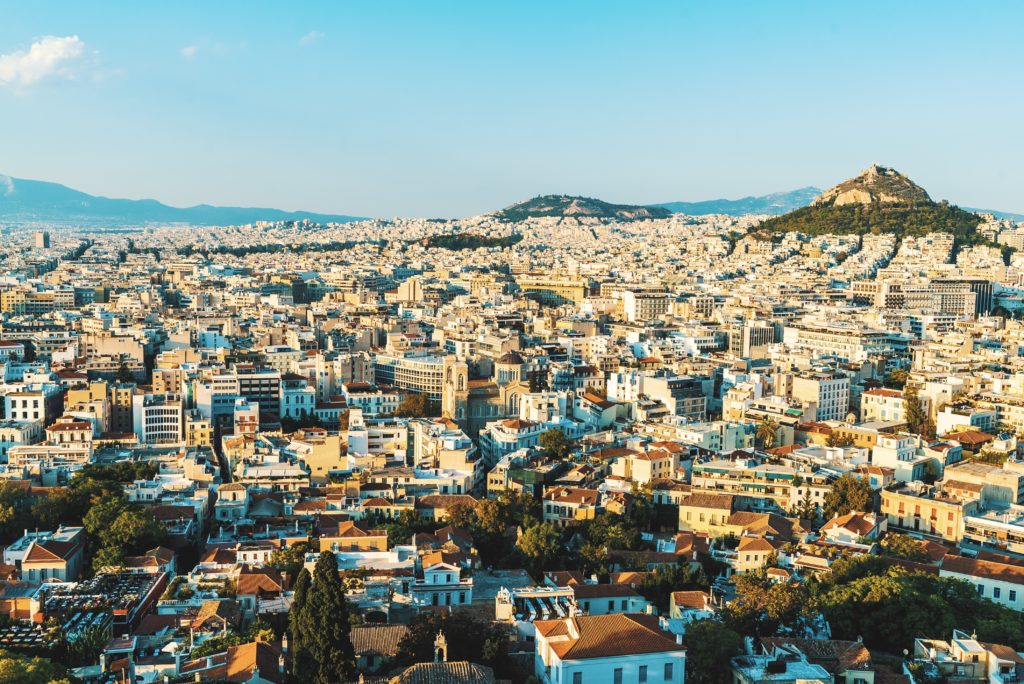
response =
{"points": [[767, 431]]}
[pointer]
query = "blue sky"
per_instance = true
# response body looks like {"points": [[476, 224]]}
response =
{"points": [[455, 108]]}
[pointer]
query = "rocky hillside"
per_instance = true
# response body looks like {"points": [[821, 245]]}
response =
{"points": [[878, 200], [565, 206], [876, 184]]}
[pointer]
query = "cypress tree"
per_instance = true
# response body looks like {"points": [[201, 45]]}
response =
{"points": [[326, 626], [297, 622]]}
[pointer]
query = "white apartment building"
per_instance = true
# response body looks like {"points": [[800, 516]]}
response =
{"points": [[18, 432], [158, 418], [607, 649], [829, 391]]}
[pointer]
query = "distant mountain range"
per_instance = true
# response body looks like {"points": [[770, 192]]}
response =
{"points": [[775, 203], [32, 201], [998, 214], [23, 201]]}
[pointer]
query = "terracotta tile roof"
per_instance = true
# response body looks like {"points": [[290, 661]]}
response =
{"points": [[444, 500], [599, 591], [695, 600], [244, 660], [350, 529], [218, 611], [612, 452], [882, 392], [765, 523], [703, 500], [461, 672], [994, 570], [564, 578], [265, 581], [757, 544], [970, 437], [854, 522], [573, 495], [632, 578], [378, 639], [79, 425], [1004, 653], [836, 656], [606, 636], [49, 551], [517, 424], [220, 557]]}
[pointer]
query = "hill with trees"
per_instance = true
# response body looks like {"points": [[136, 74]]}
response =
{"points": [[879, 200], [566, 206]]}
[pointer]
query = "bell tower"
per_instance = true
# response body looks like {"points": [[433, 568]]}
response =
{"points": [[455, 390]]}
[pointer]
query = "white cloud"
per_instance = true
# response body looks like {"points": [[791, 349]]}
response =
{"points": [[6, 185], [189, 51], [310, 38], [48, 57]]}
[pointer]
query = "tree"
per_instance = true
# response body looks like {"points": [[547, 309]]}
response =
{"points": [[414, 405], [767, 433], [86, 647], [896, 379], [807, 509], [710, 646], [657, 587], [290, 559], [298, 620], [24, 670], [903, 546], [461, 514], [119, 528], [761, 606], [848, 493], [15, 511], [916, 418], [540, 544], [555, 443], [124, 374], [327, 625], [836, 440], [469, 638], [890, 607]]}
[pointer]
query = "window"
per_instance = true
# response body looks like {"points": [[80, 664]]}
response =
{"points": [[981, 590], [643, 673], [995, 592], [1013, 594], [577, 678], [617, 678], [611, 606], [668, 672]]}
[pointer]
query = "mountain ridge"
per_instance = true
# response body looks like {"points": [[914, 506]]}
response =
{"points": [[772, 203], [33, 201]]}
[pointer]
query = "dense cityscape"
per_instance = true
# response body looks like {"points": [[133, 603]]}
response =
{"points": [[516, 447], [527, 342]]}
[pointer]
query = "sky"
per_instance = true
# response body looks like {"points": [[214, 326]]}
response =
{"points": [[446, 109]]}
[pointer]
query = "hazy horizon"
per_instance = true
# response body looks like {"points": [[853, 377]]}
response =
{"points": [[462, 109]]}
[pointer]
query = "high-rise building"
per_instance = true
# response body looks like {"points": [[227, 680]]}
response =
{"points": [[42, 239]]}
